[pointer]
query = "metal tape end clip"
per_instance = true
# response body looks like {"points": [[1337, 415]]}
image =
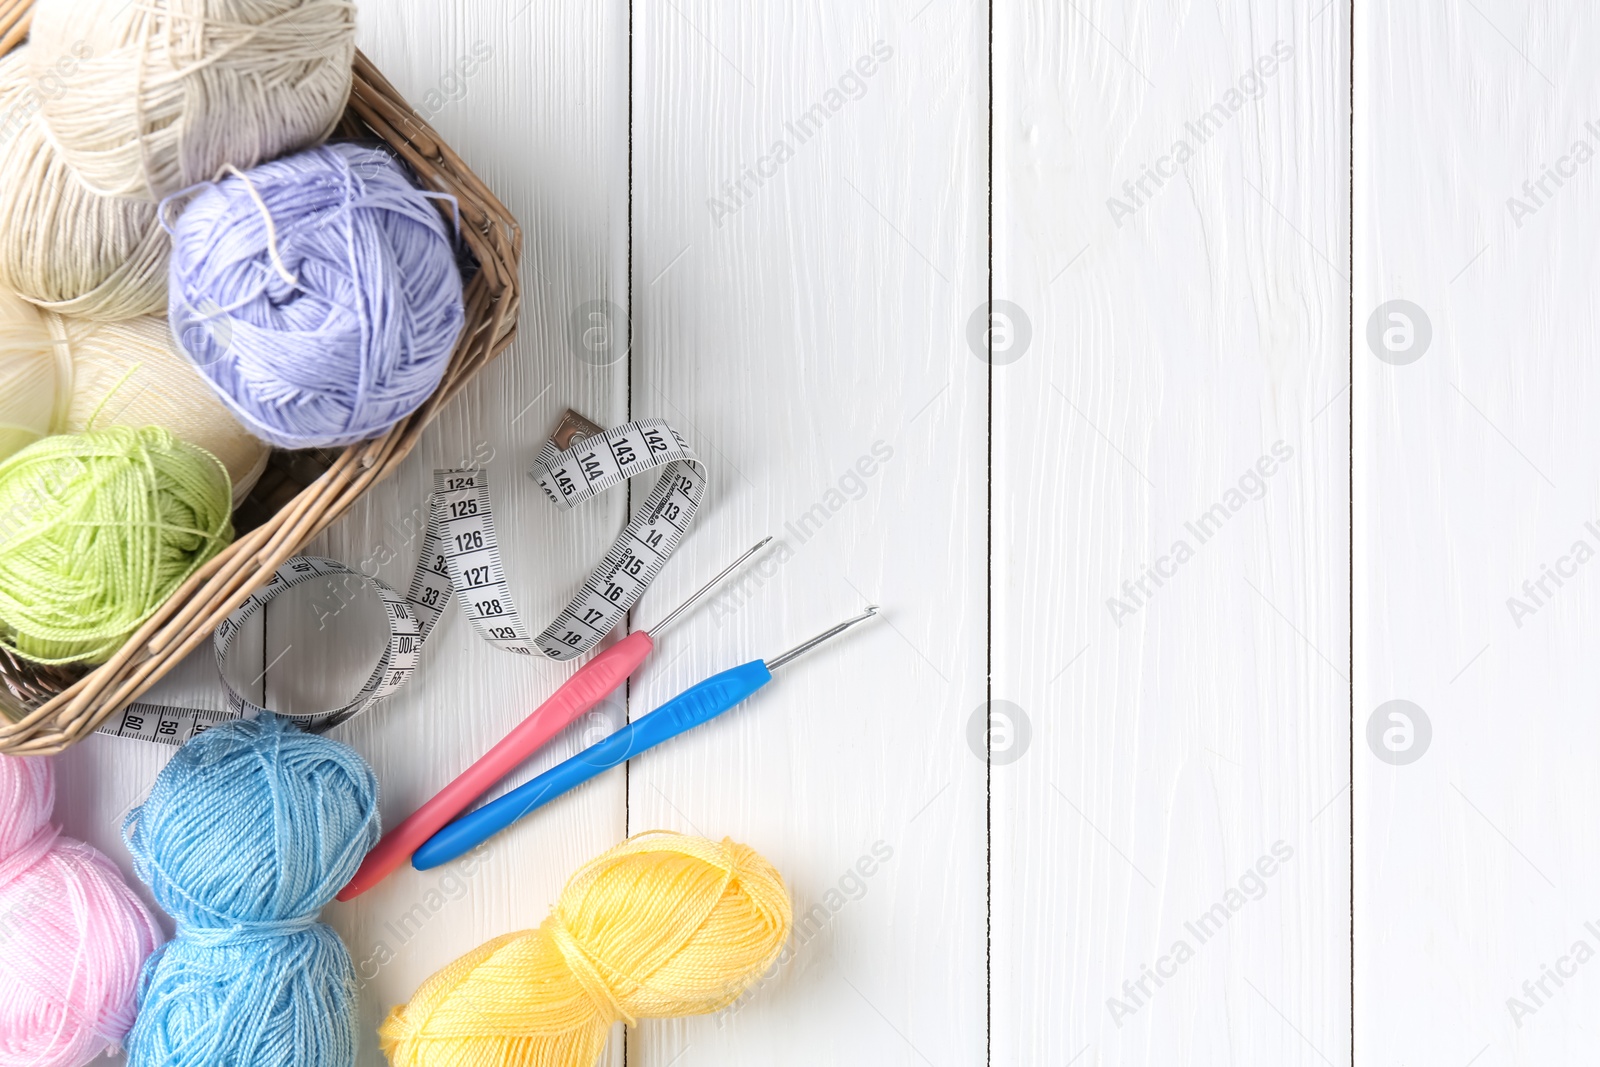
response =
{"points": [[571, 429]]}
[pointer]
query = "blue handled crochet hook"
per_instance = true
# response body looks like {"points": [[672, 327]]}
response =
{"points": [[698, 704]]}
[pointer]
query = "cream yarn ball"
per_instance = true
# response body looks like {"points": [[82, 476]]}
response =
{"points": [[28, 377], [82, 373], [174, 91], [61, 246], [130, 374]]}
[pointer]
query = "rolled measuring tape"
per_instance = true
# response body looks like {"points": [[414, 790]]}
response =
{"points": [[461, 559]]}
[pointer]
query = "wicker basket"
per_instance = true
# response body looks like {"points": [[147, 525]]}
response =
{"points": [[46, 710]]}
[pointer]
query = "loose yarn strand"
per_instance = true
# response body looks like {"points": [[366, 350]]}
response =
{"points": [[272, 229], [101, 406], [66, 378]]}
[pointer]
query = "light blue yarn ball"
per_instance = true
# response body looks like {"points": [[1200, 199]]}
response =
{"points": [[336, 320], [248, 832]]}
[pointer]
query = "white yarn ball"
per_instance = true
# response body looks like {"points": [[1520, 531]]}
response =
{"points": [[61, 246], [174, 91], [28, 377], [80, 372], [130, 374]]}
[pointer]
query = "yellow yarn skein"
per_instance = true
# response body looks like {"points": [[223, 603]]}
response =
{"points": [[663, 925], [62, 374], [62, 246]]}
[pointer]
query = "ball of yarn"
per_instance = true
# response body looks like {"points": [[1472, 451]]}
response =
{"points": [[171, 91], [247, 834], [319, 294], [97, 530], [130, 374], [61, 374], [663, 925], [29, 375], [62, 246], [72, 934]]}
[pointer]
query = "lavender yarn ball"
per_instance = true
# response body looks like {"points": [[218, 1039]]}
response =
{"points": [[318, 294]]}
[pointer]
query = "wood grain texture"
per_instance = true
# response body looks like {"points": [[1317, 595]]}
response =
{"points": [[805, 315], [806, 331], [1178, 409], [1476, 473]]}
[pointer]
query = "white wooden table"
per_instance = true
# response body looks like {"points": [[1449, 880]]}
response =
{"points": [[1149, 513]]}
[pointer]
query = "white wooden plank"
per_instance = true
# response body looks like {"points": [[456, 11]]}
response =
{"points": [[808, 324], [1475, 473], [1181, 333], [534, 97]]}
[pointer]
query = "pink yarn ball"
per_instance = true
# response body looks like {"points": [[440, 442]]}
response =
{"points": [[72, 934]]}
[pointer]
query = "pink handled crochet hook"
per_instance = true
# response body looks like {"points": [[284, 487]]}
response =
{"points": [[590, 685]]}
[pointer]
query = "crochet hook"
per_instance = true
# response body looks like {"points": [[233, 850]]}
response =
{"points": [[586, 688], [698, 704]]}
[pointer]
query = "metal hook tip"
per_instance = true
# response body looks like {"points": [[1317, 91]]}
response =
{"points": [[822, 638], [695, 597]]}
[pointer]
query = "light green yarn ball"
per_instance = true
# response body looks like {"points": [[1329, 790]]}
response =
{"points": [[97, 530]]}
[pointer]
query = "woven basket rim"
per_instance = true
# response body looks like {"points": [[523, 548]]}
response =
{"points": [[493, 298]]}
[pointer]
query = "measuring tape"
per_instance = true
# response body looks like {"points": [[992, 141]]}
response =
{"points": [[570, 476], [461, 559]]}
